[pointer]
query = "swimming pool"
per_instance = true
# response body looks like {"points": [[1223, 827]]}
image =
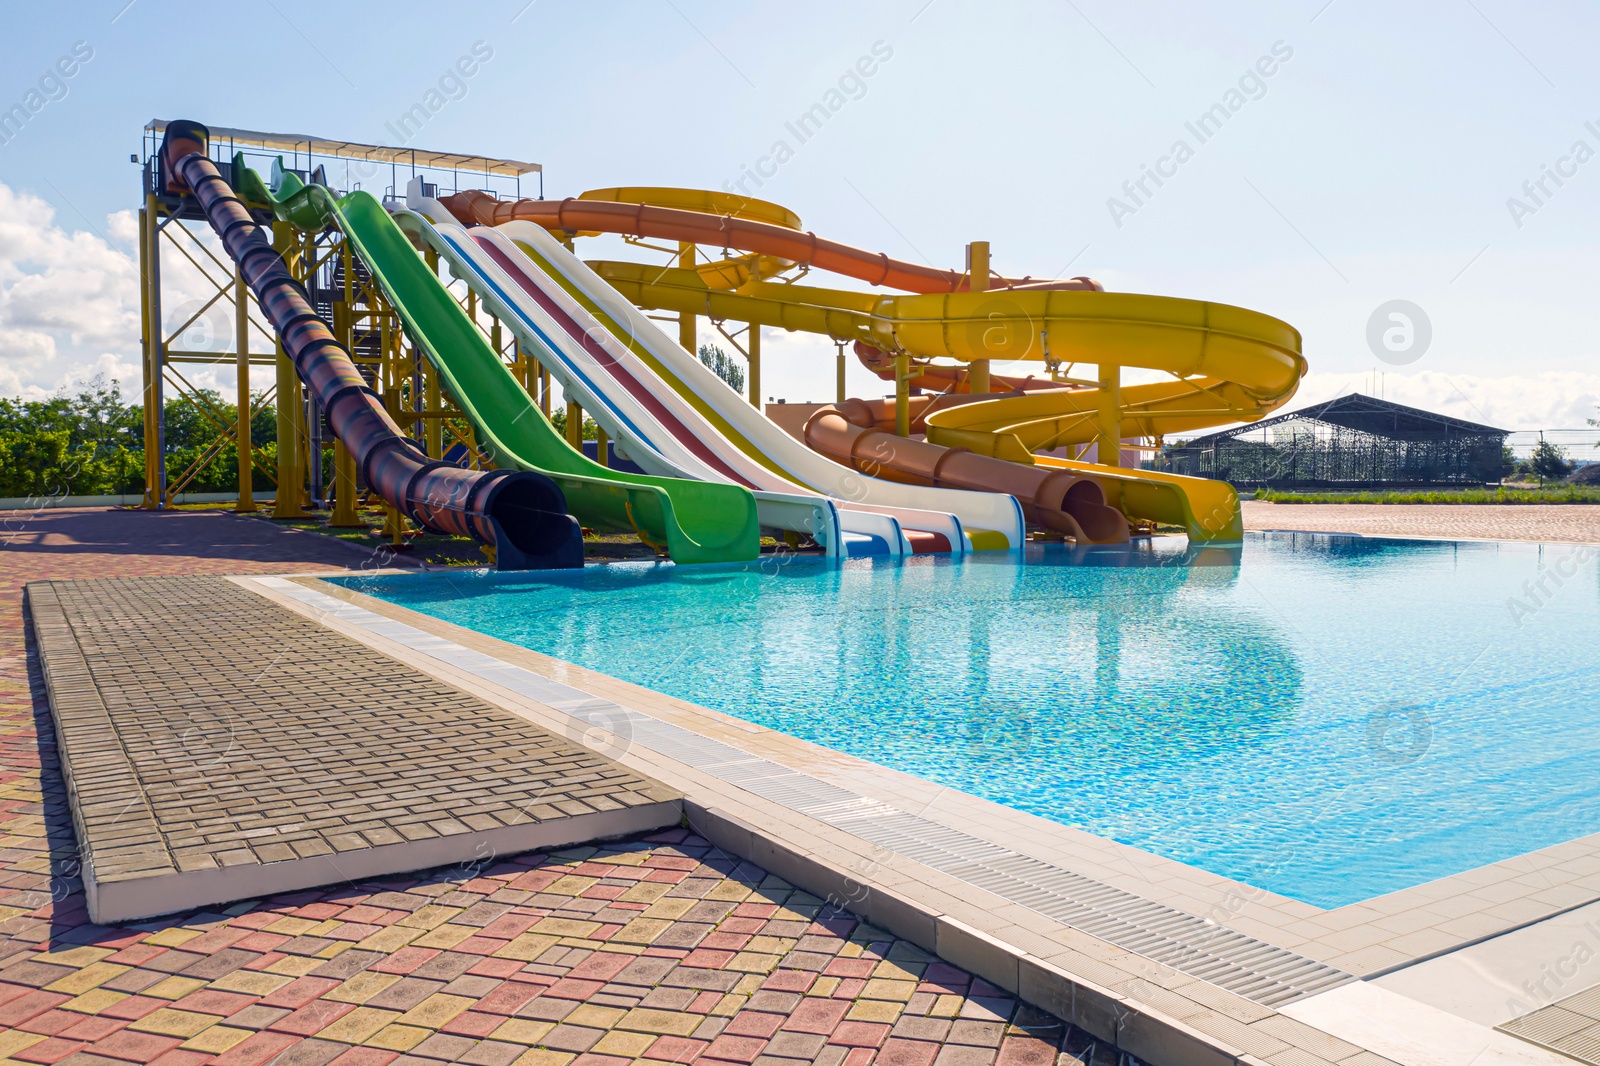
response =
{"points": [[1327, 717]]}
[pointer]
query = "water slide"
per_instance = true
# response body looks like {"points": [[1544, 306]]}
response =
{"points": [[721, 418], [693, 521], [1228, 364], [521, 515], [594, 368]]}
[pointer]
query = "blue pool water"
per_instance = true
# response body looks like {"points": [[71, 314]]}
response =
{"points": [[1330, 718]]}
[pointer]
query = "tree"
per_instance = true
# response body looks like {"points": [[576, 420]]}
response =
{"points": [[724, 366], [1549, 462]]}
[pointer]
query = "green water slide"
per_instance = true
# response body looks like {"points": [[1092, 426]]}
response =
{"points": [[696, 521]]}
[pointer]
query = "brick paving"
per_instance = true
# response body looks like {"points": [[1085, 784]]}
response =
{"points": [[652, 950], [1529, 521], [254, 735]]}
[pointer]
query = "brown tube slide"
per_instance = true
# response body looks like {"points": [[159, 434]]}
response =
{"points": [[723, 231], [1063, 500]]}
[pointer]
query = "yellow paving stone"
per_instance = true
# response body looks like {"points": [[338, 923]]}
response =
{"points": [[730, 1004], [95, 1001], [527, 947], [445, 937], [358, 1025], [216, 1040], [595, 1016], [851, 951], [771, 945], [874, 1010], [668, 908], [171, 938], [389, 940], [543, 1057], [295, 965], [825, 986], [289, 925], [748, 984], [335, 949], [169, 1021], [398, 1037], [752, 962], [251, 982], [622, 858], [323, 928], [572, 885], [946, 1007], [891, 971], [8, 913], [662, 1022], [882, 988], [362, 987], [617, 1042], [17, 1040], [429, 917], [79, 956], [92, 976], [564, 927], [522, 1031], [436, 1010], [645, 892], [728, 892], [642, 931], [174, 987]]}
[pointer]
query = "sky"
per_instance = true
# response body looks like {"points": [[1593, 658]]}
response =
{"points": [[1371, 153]]}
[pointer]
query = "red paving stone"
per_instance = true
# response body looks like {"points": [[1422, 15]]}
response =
{"points": [[328, 975]]}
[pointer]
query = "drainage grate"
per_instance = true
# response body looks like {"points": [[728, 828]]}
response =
{"points": [[1252, 968]]}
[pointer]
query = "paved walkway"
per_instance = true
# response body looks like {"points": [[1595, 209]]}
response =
{"points": [[655, 950], [1546, 522]]}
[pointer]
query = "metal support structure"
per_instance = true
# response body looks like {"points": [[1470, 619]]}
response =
{"points": [[902, 395], [1108, 441], [753, 355], [978, 281], [241, 343], [686, 319], [575, 425], [602, 448], [149, 300], [289, 406], [838, 373]]}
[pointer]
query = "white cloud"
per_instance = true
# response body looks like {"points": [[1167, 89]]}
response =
{"points": [[69, 301], [1551, 400]]}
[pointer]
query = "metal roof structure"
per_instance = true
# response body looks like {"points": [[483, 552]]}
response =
{"points": [[1366, 414], [373, 153]]}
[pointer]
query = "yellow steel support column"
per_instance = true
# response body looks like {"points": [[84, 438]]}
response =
{"points": [[1109, 439], [686, 319], [291, 474], [241, 345], [838, 374], [345, 515], [575, 425], [602, 447], [544, 389], [152, 338], [978, 281], [902, 395], [433, 428], [753, 342]]}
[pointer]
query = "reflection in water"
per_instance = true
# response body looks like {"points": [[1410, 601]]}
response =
{"points": [[1214, 705]]}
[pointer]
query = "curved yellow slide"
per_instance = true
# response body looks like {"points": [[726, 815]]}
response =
{"points": [[1227, 364]]}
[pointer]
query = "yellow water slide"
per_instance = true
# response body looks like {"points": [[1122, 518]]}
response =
{"points": [[1226, 364]]}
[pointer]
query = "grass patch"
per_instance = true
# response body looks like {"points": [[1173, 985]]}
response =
{"points": [[1503, 494]]}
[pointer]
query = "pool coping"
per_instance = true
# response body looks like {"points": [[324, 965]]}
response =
{"points": [[1102, 988]]}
